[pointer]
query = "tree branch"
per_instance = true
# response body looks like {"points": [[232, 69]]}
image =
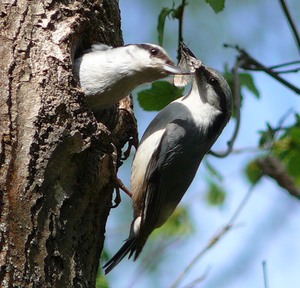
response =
{"points": [[237, 109], [264, 265], [252, 64], [180, 28], [275, 169], [291, 22], [216, 238], [285, 64]]}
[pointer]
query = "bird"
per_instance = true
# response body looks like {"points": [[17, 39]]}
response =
{"points": [[107, 74], [171, 150]]}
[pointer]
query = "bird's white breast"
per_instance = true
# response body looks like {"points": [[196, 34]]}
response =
{"points": [[202, 113], [141, 161]]}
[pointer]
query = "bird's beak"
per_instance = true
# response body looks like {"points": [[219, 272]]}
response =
{"points": [[176, 70]]}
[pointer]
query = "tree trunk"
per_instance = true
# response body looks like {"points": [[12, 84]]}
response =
{"points": [[56, 167]]}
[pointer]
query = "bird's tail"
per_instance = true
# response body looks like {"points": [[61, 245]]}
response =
{"points": [[130, 247]]}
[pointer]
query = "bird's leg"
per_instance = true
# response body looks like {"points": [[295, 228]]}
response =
{"points": [[118, 184], [134, 139], [117, 199], [131, 142]]}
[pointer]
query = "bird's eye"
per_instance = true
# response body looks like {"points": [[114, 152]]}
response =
{"points": [[212, 80], [154, 51]]}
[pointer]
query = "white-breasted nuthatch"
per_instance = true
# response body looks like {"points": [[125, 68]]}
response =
{"points": [[171, 151], [107, 74]]}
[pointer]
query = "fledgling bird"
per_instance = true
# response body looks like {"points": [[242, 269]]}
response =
{"points": [[171, 151], [107, 74]]}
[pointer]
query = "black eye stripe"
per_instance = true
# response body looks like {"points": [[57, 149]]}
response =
{"points": [[156, 52], [214, 82]]}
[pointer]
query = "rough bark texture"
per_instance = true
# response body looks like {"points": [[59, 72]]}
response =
{"points": [[56, 167]]}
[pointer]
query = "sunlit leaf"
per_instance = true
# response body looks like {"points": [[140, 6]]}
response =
{"points": [[253, 172], [287, 149], [101, 281], [213, 171], [215, 195], [246, 80], [216, 5], [177, 12], [164, 13], [294, 168], [178, 224], [158, 96], [267, 137]]}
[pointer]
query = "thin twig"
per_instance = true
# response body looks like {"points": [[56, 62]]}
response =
{"points": [[261, 67], [281, 121], [251, 63], [264, 265], [294, 70], [284, 64], [291, 70], [215, 238], [198, 280], [291, 22], [237, 109], [180, 29], [248, 150]]}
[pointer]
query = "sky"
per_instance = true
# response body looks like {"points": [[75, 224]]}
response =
{"points": [[269, 226]]}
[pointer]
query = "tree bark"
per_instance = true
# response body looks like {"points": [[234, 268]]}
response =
{"points": [[56, 164]]}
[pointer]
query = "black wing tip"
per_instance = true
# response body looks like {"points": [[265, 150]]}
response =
{"points": [[130, 246]]}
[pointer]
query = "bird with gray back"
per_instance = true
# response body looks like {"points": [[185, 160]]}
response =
{"points": [[107, 74], [172, 149]]}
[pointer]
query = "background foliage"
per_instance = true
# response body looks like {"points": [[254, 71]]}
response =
{"points": [[266, 153]]}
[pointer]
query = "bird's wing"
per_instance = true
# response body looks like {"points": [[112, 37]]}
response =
{"points": [[97, 47], [100, 47], [170, 171]]}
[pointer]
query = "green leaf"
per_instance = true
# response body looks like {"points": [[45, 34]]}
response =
{"points": [[253, 172], [294, 168], [246, 80], [215, 195], [216, 5], [229, 78], [267, 137], [287, 149], [179, 224], [213, 171], [177, 12], [164, 13], [101, 280], [159, 95]]}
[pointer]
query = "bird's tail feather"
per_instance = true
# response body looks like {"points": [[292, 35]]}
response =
{"points": [[129, 246]]}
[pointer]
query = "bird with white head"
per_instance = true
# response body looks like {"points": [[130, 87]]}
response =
{"points": [[108, 74], [172, 149]]}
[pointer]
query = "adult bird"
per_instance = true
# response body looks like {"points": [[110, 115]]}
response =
{"points": [[172, 149], [108, 74]]}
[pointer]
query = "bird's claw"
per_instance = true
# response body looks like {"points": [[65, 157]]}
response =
{"points": [[118, 184]]}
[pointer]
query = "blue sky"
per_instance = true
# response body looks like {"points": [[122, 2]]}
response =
{"points": [[269, 226]]}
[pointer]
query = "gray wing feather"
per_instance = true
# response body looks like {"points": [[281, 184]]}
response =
{"points": [[170, 172]]}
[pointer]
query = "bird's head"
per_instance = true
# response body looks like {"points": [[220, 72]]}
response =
{"points": [[212, 86], [153, 62]]}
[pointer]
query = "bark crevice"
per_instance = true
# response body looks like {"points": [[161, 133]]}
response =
{"points": [[56, 168]]}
